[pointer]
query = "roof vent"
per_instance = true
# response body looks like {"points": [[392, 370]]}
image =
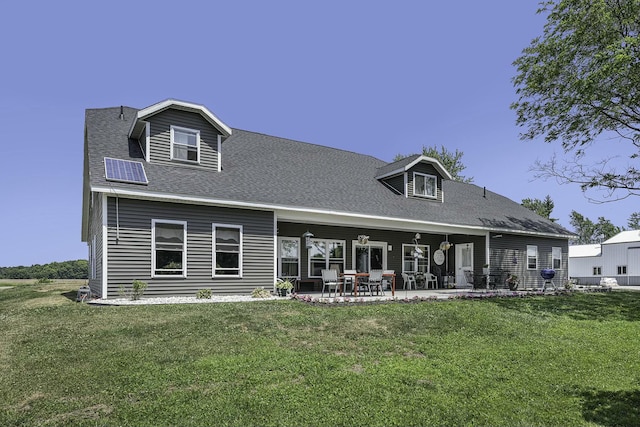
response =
{"points": [[121, 116]]}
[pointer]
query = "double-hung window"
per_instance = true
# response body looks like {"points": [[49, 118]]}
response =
{"points": [[227, 250], [532, 257], [415, 258], [185, 144], [556, 258], [622, 269], [289, 256], [325, 254], [169, 256], [424, 185], [597, 271]]}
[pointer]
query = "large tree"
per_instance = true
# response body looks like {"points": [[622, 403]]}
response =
{"points": [[452, 162], [579, 81], [590, 232], [541, 207]]}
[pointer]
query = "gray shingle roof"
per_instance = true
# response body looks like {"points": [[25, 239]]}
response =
{"points": [[262, 169]]}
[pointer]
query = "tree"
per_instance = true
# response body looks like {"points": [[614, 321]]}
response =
{"points": [[452, 162], [590, 232], [541, 207], [634, 221], [581, 80]]}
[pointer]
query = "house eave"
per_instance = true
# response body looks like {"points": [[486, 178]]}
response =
{"points": [[333, 217]]}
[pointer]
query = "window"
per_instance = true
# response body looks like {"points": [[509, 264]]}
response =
{"points": [[324, 254], [556, 258], [622, 269], [597, 271], [289, 257], [227, 250], [412, 263], [532, 257], [169, 254], [424, 185], [185, 144]]}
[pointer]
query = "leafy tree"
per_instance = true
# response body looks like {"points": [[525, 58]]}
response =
{"points": [[56, 270], [590, 232], [579, 80], [541, 207], [452, 162], [634, 221]]}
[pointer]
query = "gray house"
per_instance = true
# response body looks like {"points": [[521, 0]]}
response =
{"points": [[175, 197]]}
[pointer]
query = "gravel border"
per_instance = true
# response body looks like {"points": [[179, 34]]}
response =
{"points": [[182, 300]]}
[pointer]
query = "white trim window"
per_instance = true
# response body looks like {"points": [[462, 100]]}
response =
{"points": [[597, 271], [169, 248], [415, 261], [556, 258], [425, 185], [289, 257], [622, 270], [185, 144], [532, 257], [369, 256], [325, 254], [227, 250]]}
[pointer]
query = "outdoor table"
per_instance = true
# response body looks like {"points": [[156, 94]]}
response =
{"points": [[357, 275]]}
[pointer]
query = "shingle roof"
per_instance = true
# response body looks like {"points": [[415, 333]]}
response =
{"points": [[268, 170]]}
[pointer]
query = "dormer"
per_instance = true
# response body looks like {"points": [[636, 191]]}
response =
{"points": [[415, 176], [180, 133]]}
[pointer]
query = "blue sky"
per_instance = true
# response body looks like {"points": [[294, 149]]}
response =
{"points": [[379, 78]]}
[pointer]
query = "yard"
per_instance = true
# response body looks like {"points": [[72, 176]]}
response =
{"points": [[555, 360]]}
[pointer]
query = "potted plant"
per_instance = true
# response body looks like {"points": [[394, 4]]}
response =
{"points": [[283, 287], [485, 269], [513, 281]]}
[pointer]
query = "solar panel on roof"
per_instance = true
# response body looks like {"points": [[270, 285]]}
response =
{"points": [[124, 171]]}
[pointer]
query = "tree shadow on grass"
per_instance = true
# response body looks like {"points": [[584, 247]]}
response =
{"points": [[611, 408], [617, 305]]}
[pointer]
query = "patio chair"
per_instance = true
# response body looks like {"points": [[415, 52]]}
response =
{"points": [[348, 280], [375, 282], [430, 280], [330, 281], [473, 280], [409, 279]]}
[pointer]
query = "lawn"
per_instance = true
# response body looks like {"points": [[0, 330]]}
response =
{"points": [[556, 360]]}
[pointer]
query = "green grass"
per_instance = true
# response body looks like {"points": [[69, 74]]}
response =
{"points": [[567, 360]]}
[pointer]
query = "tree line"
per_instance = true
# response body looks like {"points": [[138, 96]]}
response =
{"points": [[56, 270]]}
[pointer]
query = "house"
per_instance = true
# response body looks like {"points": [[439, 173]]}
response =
{"points": [[617, 258], [175, 197]]}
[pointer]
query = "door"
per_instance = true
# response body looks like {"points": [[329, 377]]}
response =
{"points": [[464, 260], [369, 257]]}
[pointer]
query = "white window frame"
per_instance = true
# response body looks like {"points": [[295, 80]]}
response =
{"points": [[327, 259], [280, 242], [354, 247], [426, 257], [153, 248], [194, 132], [214, 227], [622, 270], [534, 249], [556, 254], [597, 271], [426, 177]]}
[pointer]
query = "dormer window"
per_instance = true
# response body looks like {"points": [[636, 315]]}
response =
{"points": [[185, 144], [424, 185]]}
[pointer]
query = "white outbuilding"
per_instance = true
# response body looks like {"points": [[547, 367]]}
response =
{"points": [[617, 258]]}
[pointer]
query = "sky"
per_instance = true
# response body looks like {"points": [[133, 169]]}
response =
{"points": [[375, 77]]}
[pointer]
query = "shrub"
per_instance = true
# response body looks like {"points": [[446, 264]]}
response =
{"points": [[137, 289], [260, 292], [203, 294]]}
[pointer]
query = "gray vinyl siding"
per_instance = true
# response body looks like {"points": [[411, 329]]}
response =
{"points": [[160, 141], [396, 182], [129, 248], [427, 169], [95, 229], [503, 251]]}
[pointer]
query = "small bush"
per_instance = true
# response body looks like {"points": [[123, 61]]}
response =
{"points": [[203, 294], [260, 292], [137, 289]]}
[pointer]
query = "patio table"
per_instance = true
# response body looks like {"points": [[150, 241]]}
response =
{"points": [[358, 275]]}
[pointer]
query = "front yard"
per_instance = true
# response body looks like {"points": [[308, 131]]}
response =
{"points": [[556, 360]]}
